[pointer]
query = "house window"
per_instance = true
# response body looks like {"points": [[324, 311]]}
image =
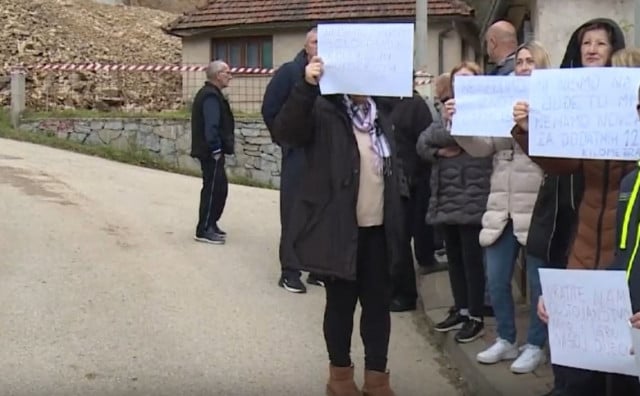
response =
{"points": [[244, 52]]}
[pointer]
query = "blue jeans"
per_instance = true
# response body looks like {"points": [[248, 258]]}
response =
{"points": [[501, 261]]}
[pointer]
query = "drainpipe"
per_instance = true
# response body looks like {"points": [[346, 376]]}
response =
{"points": [[441, 37]]}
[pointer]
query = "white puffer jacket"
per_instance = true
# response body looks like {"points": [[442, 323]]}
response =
{"points": [[514, 186]]}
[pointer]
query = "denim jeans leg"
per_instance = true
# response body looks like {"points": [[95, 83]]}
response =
{"points": [[501, 257], [537, 333]]}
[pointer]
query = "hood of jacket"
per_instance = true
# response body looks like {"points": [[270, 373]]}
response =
{"points": [[572, 57]]}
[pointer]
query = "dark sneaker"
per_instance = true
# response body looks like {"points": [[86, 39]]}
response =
{"points": [[209, 237], [315, 280], [292, 283], [402, 304], [454, 321], [471, 331], [219, 231]]}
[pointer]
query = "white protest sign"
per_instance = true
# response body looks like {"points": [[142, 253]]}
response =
{"points": [[635, 340], [589, 315], [585, 113], [484, 104], [373, 59]]}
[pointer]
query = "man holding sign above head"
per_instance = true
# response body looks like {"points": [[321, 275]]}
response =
{"points": [[591, 45], [346, 220], [275, 95]]}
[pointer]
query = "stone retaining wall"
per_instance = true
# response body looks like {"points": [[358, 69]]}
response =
{"points": [[256, 158]]}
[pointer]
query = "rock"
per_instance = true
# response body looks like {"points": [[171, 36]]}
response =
{"points": [[167, 147], [108, 135], [166, 131], [149, 141], [248, 131], [115, 125], [82, 32], [260, 140]]}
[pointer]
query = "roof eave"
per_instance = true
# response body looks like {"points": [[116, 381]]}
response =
{"points": [[195, 31]]}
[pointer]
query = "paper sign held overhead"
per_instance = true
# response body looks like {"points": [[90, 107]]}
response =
{"points": [[589, 315], [585, 113], [374, 59], [484, 104]]}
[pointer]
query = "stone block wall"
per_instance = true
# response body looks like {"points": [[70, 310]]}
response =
{"points": [[256, 158]]}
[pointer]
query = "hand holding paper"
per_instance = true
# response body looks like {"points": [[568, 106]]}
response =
{"points": [[521, 115], [313, 71]]}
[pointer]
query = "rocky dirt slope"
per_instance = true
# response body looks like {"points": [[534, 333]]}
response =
{"points": [[174, 6], [79, 31]]}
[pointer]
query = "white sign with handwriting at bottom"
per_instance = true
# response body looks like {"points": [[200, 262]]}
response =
{"points": [[374, 59], [585, 113], [484, 104], [589, 315]]}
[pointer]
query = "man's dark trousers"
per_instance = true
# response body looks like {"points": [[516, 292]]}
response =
{"points": [[213, 195], [293, 160], [415, 209]]}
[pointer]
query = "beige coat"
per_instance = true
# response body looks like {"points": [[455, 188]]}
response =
{"points": [[514, 186]]}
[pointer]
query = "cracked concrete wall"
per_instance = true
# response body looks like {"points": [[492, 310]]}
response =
{"points": [[256, 158]]}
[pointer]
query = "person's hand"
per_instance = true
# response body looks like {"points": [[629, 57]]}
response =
{"points": [[542, 311], [449, 109], [521, 115], [216, 155], [448, 152], [635, 320], [313, 71]]}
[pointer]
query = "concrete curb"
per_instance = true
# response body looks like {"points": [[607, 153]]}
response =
{"points": [[482, 380]]}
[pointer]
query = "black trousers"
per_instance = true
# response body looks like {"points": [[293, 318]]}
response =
{"points": [[571, 381], [422, 234], [290, 177], [466, 266], [373, 289], [213, 195]]}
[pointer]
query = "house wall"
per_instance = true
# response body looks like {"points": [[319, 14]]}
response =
{"points": [[245, 92], [554, 21]]}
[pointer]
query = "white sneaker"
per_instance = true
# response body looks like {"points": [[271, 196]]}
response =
{"points": [[530, 358], [500, 350]]}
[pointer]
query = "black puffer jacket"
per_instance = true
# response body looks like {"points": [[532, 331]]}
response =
{"points": [[459, 185]]}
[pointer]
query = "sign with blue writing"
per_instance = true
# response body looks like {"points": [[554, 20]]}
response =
{"points": [[585, 113], [484, 104]]}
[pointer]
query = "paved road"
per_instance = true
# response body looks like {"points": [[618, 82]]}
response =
{"points": [[103, 291]]}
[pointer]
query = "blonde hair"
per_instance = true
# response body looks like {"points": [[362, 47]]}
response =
{"points": [[473, 67], [627, 57], [538, 52]]}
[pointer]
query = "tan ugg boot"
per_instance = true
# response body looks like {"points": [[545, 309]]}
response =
{"points": [[376, 383], [341, 382]]}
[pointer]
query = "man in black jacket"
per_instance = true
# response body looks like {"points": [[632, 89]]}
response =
{"points": [[410, 116], [293, 159], [212, 136]]}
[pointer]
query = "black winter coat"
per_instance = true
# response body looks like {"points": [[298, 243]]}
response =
{"points": [[323, 232]]}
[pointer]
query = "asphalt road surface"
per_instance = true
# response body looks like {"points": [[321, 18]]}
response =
{"points": [[104, 292]]}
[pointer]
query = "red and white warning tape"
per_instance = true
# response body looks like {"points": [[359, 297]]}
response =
{"points": [[154, 68], [421, 78]]}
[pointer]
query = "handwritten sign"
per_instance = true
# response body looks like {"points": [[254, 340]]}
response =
{"points": [[585, 113], [373, 59], [635, 340], [484, 104], [589, 315]]}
